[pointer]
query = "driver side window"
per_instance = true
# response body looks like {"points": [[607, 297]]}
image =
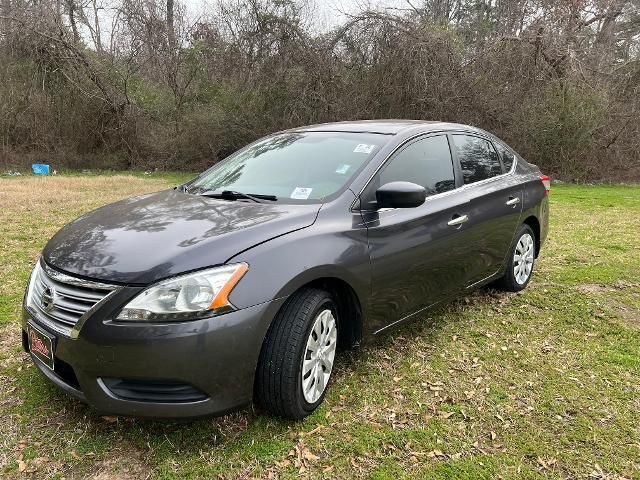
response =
{"points": [[426, 162]]}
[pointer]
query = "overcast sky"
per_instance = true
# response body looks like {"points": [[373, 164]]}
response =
{"points": [[325, 14], [328, 13]]}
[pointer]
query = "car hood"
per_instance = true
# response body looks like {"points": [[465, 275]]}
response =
{"points": [[143, 239]]}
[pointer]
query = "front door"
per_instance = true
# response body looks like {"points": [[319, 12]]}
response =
{"points": [[417, 257]]}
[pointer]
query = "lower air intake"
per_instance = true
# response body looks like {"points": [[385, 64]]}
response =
{"points": [[153, 391]]}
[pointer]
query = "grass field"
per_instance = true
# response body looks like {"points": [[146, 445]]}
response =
{"points": [[545, 383]]}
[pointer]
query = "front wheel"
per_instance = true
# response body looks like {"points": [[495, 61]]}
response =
{"points": [[297, 356], [520, 262]]}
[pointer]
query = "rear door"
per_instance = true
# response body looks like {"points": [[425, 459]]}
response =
{"points": [[417, 258], [495, 204]]}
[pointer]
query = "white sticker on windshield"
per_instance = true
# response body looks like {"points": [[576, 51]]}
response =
{"points": [[364, 148], [343, 168], [301, 193]]}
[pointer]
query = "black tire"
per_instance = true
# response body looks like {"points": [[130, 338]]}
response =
{"points": [[508, 282], [278, 384]]}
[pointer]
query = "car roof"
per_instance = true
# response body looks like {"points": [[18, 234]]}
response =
{"points": [[384, 127]]}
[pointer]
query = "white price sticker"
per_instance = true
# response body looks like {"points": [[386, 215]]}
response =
{"points": [[364, 148], [301, 193], [343, 168]]}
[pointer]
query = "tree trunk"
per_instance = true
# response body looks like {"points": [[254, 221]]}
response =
{"points": [[96, 27], [72, 20], [6, 12], [171, 32]]}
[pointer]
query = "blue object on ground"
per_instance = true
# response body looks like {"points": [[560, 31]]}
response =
{"points": [[40, 168]]}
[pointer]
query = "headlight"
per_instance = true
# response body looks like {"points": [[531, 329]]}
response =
{"points": [[187, 297], [32, 280]]}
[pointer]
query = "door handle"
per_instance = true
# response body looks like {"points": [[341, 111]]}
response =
{"points": [[513, 201], [459, 220]]}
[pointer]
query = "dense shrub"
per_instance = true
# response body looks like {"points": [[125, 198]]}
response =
{"points": [[561, 86]]}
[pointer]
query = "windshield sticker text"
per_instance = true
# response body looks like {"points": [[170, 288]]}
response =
{"points": [[343, 168], [301, 193], [364, 148]]}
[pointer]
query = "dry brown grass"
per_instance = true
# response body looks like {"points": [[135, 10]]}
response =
{"points": [[29, 192], [34, 208]]}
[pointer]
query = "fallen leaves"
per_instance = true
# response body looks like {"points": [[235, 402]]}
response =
{"points": [[309, 455], [32, 465], [299, 456], [546, 463], [318, 428], [436, 453]]}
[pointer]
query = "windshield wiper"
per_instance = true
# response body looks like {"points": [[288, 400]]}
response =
{"points": [[231, 194]]}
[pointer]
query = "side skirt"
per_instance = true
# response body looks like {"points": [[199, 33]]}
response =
{"points": [[410, 317]]}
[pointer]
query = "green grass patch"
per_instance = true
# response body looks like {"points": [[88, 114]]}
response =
{"points": [[541, 384]]}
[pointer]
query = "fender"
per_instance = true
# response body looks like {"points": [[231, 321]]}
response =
{"points": [[340, 250]]}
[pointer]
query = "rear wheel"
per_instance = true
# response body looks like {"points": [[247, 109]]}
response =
{"points": [[297, 356], [520, 262]]}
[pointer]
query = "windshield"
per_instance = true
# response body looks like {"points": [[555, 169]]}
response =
{"points": [[294, 166]]}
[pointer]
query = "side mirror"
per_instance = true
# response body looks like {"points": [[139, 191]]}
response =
{"points": [[400, 195]]}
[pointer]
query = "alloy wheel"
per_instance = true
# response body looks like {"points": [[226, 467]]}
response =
{"points": [[523, 258], [319, 355]]}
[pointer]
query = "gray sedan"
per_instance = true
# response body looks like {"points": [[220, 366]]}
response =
{"points": [[240, 285]]}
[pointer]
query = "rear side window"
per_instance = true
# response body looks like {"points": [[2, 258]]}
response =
{"points": [[426, 162], [478, 158], [506, 156]]}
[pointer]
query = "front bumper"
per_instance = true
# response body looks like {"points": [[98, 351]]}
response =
{"points": [[216, 357]]}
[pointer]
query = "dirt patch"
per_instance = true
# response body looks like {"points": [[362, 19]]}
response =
{"points": [[8, 434], [627, 312], [623, 285], [593, 288], [10, 337], [126, 464], [10, 363]]}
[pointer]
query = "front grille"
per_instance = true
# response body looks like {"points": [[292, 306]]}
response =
{"points": [[153, 391], [60, 301]]}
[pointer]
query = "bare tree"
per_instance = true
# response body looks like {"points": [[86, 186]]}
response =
{"points": [[133, 81]]}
